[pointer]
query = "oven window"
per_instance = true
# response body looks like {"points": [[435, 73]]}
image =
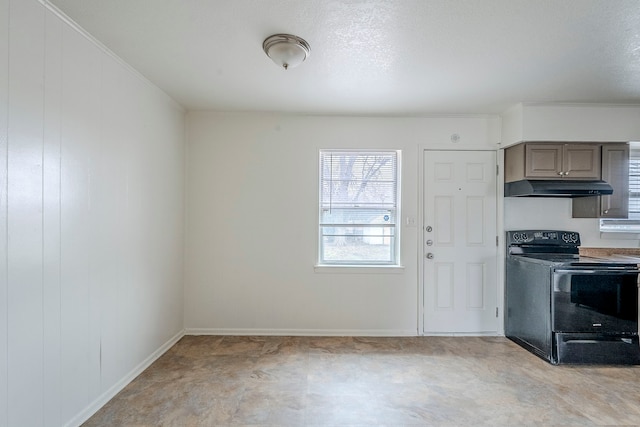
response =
{"points": [[611, 295], [601, 303]]}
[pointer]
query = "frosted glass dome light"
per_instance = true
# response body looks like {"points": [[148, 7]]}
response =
{"points": [[286, 50]]}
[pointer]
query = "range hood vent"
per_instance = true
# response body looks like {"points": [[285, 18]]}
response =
{"points": [[556, 188]]}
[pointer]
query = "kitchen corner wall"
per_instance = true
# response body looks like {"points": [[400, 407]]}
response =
{"points": [[91, 220], [252, 233], [566, 122]]}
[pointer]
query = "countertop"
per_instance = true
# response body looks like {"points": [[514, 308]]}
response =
{"points": [[632, 254]]}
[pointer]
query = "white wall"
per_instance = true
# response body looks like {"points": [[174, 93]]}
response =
{"points": [[91, 220], [533, 213], [252, 223], [570, 122]]}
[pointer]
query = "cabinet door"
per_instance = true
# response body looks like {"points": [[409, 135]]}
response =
{"points": [[615, 171], [581, 161], [543, 161]]}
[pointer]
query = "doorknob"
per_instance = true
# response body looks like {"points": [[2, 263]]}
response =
{"points": [[430, 242], [430, 255]]}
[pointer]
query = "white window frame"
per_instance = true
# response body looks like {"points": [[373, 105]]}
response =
{"points": [[394, 248], [631, 224]]}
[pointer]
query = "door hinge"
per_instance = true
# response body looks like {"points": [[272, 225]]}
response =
{"points": [[496, 311], [497, 240], [497, 170]]}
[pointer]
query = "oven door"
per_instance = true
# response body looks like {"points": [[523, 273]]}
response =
{"points": [[603, 301]]}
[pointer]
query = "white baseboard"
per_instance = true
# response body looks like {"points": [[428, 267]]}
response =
{"points": [[304, 332], [94, 406], [463, 334]]}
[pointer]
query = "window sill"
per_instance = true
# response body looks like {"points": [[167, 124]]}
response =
{"points": [[359, 269]]}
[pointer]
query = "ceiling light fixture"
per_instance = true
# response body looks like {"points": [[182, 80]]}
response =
{"points": [[286, 50]]}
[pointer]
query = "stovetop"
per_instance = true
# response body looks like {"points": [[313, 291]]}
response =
{"points": [[573, 260], [559, 248]]}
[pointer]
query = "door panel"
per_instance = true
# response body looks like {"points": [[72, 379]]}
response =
{"points": [[475, 221], [582, 161], [444, 285], [444, 226], [475, 285], [460, 278], [543, 160]]}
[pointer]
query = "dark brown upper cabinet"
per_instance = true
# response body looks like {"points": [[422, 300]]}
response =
{"points": [[542, 160]]}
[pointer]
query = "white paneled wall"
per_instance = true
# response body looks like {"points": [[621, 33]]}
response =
{"points": [[4, 106], [24, 219], [91, 220]]}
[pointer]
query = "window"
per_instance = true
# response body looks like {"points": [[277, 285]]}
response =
{"points": [[359, 199], [634, 184], [632, 224]]}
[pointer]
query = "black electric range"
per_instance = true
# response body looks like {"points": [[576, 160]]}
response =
{"points": [[568, 308]]}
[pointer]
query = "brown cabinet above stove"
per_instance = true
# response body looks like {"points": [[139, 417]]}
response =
{"points": [[553, 160]]}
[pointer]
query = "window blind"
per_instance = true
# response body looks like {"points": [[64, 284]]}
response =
{"points": [[634, 184], [358, 207], [358, 180]]}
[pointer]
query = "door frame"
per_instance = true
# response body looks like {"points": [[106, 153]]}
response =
{"points": [[500, 249]]}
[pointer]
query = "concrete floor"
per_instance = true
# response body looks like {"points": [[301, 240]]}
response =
{"points": [[357, 381]]}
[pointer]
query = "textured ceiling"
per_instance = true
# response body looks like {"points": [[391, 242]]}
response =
{"points": [[402, 57]]}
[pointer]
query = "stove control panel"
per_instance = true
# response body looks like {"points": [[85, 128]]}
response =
{"points": [[543, 237], [571, 238]]}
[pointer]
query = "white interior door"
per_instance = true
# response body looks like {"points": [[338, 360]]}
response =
{"points": [[459, 245]]}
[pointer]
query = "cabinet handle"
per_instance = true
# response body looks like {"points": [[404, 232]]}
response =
{"points": [[606, 211], [560, 173], [566, 173]]}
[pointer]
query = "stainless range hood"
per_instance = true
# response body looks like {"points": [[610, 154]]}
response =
{"points": [[556, 188]]}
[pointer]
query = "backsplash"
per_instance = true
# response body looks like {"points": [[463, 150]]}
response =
{"points": [[530, 213]]}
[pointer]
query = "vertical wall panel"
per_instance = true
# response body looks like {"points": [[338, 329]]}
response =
{"points": [[78, 129], [51, 219], [4, 108], [135, 312], [130, 293], [111, 209], [25, 278], [96, 198], [144, 190], [170, 202]]}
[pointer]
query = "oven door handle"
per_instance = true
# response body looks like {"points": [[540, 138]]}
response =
{"points": [[608, 270]]}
